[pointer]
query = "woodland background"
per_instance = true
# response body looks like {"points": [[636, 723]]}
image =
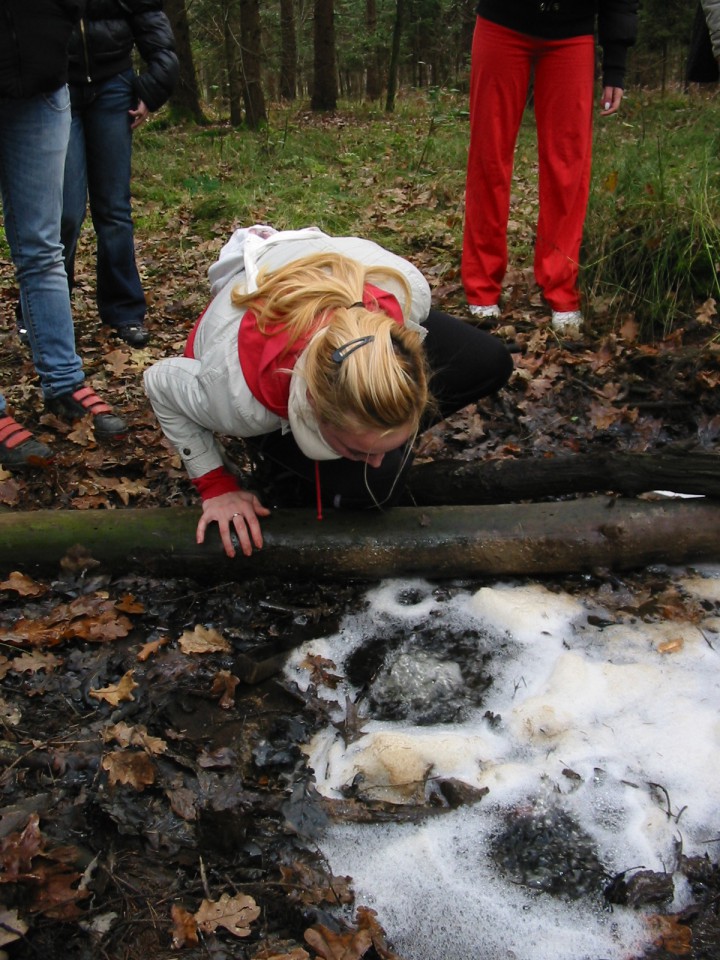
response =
{"points": [[239, 55]]}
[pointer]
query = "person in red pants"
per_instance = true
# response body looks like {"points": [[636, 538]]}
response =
{"points": [[553, 44]]}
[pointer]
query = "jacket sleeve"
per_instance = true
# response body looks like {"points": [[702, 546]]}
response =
{"points": [[711, 9], [181, 407], [156, 45], [617, 30]]}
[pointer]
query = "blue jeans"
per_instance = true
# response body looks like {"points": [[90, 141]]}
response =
{"points": [[33, 141], [98, 167]]}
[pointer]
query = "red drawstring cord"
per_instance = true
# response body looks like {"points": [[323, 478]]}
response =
{"points": [[318, 495]]}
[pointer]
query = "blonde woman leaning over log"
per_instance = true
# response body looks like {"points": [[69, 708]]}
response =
{"points": [[325, 355]]}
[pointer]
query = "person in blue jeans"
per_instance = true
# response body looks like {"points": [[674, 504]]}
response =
{"points": [[34, 131], [109, 101]]}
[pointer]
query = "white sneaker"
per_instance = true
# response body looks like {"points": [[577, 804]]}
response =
{"points": [[490, 311], [567, 321]]}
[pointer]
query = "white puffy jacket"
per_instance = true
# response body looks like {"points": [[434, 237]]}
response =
{"points": [[194, 399]]}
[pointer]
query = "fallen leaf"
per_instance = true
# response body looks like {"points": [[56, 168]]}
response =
{"points": [[151, 647], [338, 946], [203, 640], [118, 692], [671, 646], [128, 736], [223, 687], [235, 914], [33, 662], [671, 935], [129, 766], [184, 932], [24, 585]]}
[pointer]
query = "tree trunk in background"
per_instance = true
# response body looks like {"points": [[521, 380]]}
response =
{"points": [[251, 43], [324, 96], [395, 56], [373, 76], [499, 481], [185, 100], [288, 51], [231, 35]]}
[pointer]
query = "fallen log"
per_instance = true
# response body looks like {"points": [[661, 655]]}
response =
{"points": [[433, 542], [501, 481]]}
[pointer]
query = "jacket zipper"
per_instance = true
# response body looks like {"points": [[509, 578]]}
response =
{"points": [[86, 55]]}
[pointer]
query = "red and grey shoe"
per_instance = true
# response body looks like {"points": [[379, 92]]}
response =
{"points": [[83, 401], [18, 447]]}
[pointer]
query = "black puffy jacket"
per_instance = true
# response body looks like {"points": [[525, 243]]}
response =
{"points": [[102, 46], [560, 19], [34, 45]]}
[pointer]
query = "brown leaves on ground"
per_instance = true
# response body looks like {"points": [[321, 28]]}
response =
{"points": [[234, 914], [351, 944], [52, 884], [94, 618]]}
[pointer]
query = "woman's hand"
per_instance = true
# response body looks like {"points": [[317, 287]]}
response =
{"points": [[239, 508], [610, 100]]}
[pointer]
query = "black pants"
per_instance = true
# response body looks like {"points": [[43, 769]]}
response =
{"points": [[465, 364]]}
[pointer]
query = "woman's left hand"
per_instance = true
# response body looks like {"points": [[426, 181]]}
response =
{"points": [[610, 100]]}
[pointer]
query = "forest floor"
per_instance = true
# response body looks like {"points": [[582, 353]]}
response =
{"points": [[154, 801]]}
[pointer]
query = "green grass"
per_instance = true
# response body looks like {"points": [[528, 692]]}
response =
{"points": [[652, 241], [652, 236]]}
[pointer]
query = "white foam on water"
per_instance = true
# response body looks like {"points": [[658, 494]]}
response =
{"points": [[617, 724]]}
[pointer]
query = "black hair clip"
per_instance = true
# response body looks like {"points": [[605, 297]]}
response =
{"points": [[358, 304], [344, 351]]}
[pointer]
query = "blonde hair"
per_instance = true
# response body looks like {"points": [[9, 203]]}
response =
{"points": [[381, 385]]}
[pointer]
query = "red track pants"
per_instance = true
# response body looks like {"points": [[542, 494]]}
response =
{"points": [[502, 63]]}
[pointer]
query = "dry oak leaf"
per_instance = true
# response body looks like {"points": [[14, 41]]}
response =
{"points": [[223, 687], [185, 933], [366, 919], [128, 604], [235, 914], [148, 649], [320, 668], [18, 849], [669, 934], [128, 736], [338, 946], [25, 586], [313, 886], [203, 640], [35, 661], [118, 692], [129, 766], [268, 953]]}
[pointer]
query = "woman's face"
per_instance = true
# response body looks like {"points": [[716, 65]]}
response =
{"points": [[370, 446]]}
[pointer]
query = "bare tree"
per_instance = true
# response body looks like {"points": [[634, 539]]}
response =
{"points": [[231, 43], [185, 101], [251, 43], [288, 51], [324, 95], [395, 56], [373, 76]]}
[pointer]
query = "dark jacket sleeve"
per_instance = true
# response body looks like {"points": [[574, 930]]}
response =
{"points": [[617, 30], [155, 42]]}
